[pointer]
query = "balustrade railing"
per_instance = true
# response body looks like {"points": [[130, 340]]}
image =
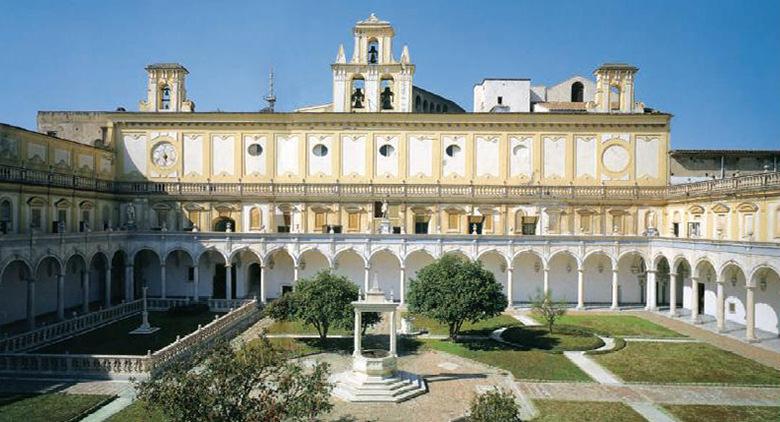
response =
{"points": [[223, 305], [71, 181], [163, 304], [63, 329], [120, 366]]}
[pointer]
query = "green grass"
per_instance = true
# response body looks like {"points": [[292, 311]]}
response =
{"points": [[701, 413], [114, 339], [619, 325], [305, 346], [685, 363], [51, 407], [533, 364], [297, 327], [585, 411], [563, 338], [136, 412], [480, 328]]}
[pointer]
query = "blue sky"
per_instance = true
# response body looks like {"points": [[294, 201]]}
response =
{"points": [[714, 64]]}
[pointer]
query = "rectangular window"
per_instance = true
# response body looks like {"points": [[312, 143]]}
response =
{"points": [[193, 218], [353, 222], [319, 222], [617, 224], [453, 221], [476, 224], [36, 218], [585, 223], [529, 226], [421, 225], [694, 229], [676, 229], [487, 224]]}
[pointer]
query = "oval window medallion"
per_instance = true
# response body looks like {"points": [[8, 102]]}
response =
{"points": [[615, 158]]}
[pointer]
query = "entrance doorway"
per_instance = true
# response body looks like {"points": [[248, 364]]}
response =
{"points": [[253, 284], [700, 296], [218, 284]]}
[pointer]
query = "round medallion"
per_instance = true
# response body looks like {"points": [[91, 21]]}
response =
{"points": [[164, 154], [615, 158]]}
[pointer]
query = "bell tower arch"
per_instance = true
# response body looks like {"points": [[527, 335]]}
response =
{"points": [[166, 89]]}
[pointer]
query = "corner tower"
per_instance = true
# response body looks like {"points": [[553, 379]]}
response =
{"points": [[373, 80], [165, 89], [615, 89]]}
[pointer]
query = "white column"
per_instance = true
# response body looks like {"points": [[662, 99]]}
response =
{"points": [[263, 274], [720, 306], [195, 282], [85, 291], [228, 282], [650, 304], [366, 277], [695, 300], [673, 280], [403, 285], [60, 296], [129, 283], [358, 326], [546, 280], [393, 340], [615, 304], [580, 288], [509, 294], [163, 286], [750, 315], [107, 289], [31, 303]]}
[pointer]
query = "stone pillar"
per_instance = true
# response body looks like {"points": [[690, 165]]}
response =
{"points": [[650, 300], [296, 269], [163, 286], [60, 296], [358, 327], [720, 306], [750, 314], [546, 280], [195, 282], [263, 274], [366, 277], [107, 289], [129, 283], [580, 288], [695, 300], [228, 281], [403, 285], [615, 304], [85, 291], [509, 294], [393, 348], [673, 280], [31, 303]]}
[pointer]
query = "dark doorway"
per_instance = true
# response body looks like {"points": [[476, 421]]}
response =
{"points": [[700, 297], [218, 286], [221, 224], [254, 281], [286, 289]]}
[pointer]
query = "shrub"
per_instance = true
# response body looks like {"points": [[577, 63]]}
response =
{"points": [[494, 406]]}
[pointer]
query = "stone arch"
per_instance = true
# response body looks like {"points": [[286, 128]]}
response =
{"points": [[280, 272], [414, 261], [146, 272], [211, 263], [527, 275], [14, 274], [386, 270], [633, 251], [14, 258], [351, 264], [245, 249], [311, 261], [706, 293], [597, 268], [247, 263], [178, 249], [40, 260], [734, 281], [700, 265], [632, 277], [762, 266], [459, 252], [496, 262], [418, 250], [119, 287], [212, 249], [766, 281], [565, 252], [179, 277], [562, 269], [497, 252]]}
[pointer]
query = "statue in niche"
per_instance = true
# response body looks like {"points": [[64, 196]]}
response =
{"points": [[372, 54], [386, 97], [130, 213], [384, 209], [357, 98]]}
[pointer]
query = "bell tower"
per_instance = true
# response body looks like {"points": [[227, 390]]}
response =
{"points": [[615, 89], [373, 80], [165, 89]]}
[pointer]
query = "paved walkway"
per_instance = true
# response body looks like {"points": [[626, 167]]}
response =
{"points": [[525, 319], [768, 341], [599, 373]]}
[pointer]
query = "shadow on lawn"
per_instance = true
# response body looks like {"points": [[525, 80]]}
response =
{"points": [[406, 345]]}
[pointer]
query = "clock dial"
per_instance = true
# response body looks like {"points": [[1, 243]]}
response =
{"points": [[164, 154]]}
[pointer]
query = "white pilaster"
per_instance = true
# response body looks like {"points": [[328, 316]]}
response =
{"points": [[403, 285], [580, 288], [107, 289], [650, 297], [31, 303], [358, 327], [695, 300], [673, 280], [393, 347], [750, 314], [163, 287], [509, 296], [546, 280], [615, 304], [366, 277], [720, 306], [129, 283], [228, 282], [263, 273], [60, 296], [85, 291]]}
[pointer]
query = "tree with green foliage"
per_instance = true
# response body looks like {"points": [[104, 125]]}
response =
{"points": [[549, 310], [323, 301], [494, 406], [452, 290], [252, 382]]}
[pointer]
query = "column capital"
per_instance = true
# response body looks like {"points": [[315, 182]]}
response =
{"points": [[749, 287], [673, 274], [720, 281], [651, 271], [510, 268]]}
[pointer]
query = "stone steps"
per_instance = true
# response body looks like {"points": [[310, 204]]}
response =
{"points": [[402, 386]]}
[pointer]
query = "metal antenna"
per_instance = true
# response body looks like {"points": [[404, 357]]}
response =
{"points": [[270, 98]]}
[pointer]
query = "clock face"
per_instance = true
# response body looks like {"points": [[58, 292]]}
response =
{"points": [[164, 154]]}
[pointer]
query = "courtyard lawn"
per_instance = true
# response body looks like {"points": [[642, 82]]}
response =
{"points": [[563, 338], [479, 328], [585, 411], [306, 346], [114, 339], [529, 365], [619, 325], [685, 363], [51, 407], [136, 412], [701, 413], [298, 327]]}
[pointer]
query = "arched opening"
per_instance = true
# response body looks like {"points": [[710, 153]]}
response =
{"points": [[663, 282], [211, 266], [577, 92], [706, 294], [99, 280], [425, 106], [46, 290], [683, 284], [279, 273], [146, 273], [75, 270], [496, 264], [254, 280], [632, 278], [417, 103], [224, 224], [413, 263], [165, 97], [562, 281], [6, 217], [311, 262], [179, 277], [119, 289], [527, 277], [372, 53], [386, 95], [767, 284], [735, 282], [385, 271], [351, 265], [244, 279], [597, 277], [358, 93], [13, 291]]}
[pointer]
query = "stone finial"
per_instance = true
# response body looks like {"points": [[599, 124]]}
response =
{"points": [[405, 55], [340, 57]]}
